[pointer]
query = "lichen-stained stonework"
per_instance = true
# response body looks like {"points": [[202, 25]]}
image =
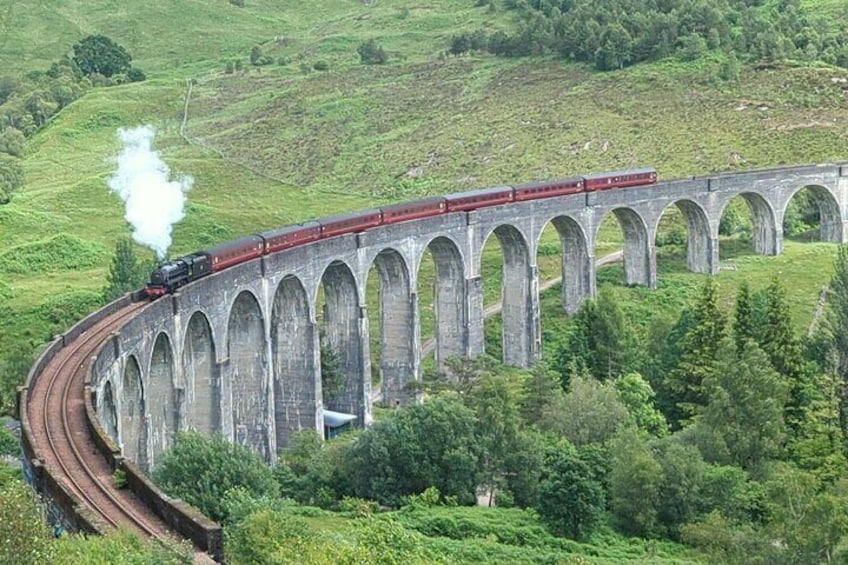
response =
{"points": [[238, 352]]}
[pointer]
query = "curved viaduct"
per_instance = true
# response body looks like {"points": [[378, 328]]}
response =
{"points": [[239, 352]]}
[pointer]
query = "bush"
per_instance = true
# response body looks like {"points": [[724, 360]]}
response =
{"points": [[11, 178], [321, 65], [371, 53], [9, 444], [201, 470]]}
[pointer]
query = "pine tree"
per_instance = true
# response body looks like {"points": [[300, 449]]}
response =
{"points": [[698, 363], [601, 342], [784, 352], [838, 320], [127, 273], [744, 325]]}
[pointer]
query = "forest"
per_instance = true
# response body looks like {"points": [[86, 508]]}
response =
{"points": [[617, 33]]}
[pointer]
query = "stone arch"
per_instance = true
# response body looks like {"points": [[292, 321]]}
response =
{"points": [[576, 263], [161, 392], [698, 243], [516, 310], [637, 255], [765, 233], [198, 404], [247, 370], [343, 321], [293, 350], [107, 411], [133, 433], [400, 336], [450, 297], [830, 220]]}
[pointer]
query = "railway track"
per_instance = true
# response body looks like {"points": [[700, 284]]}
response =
{"points": [[56, 407]]}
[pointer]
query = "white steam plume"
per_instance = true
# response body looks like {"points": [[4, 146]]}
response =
{"points": [[153, 202]]}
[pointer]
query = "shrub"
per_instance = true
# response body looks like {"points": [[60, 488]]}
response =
{"points": [[371, 53], [201, 470]]}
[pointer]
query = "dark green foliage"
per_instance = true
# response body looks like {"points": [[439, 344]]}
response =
{"points": [[729, 490], [136, 75], [538, 391], [99, 54], [11, 177], [371, 53], [312, 471], [12, 141], [745, 409], [433, 444], [784, 352], [745, 325], [601, 342], [634, 485], [837, 321], [200, 470], [571, 502], [496, 409], [617, 33], [707, 327], [811, 521], [682, 476], [258, 59], [127, 273], [9, 443]]}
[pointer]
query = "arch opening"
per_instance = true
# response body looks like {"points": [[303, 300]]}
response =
{"points": [[512, 285], [133, 436], [563, 255], [393, 320], [345, 375], [682, 239], [447, 311], [107, 411], [812, 213], [294, 353], [161, 390], [635, 249], [247, 372], [198, 402], [747, 225]]}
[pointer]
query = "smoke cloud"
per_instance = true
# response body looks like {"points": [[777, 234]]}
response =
{"points": [[153, 202]]}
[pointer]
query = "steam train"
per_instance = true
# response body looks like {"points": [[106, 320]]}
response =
{"points": [[171, 275]]}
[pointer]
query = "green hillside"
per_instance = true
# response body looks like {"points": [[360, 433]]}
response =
{"points": [[280, 143]]}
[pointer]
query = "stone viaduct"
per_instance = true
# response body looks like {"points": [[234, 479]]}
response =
{"points": [[238, 352]]}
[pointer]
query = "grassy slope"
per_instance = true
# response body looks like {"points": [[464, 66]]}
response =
{"points": [[282, 144]]}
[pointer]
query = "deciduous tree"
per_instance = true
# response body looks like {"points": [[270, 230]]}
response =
{"points": [[99, 54]]}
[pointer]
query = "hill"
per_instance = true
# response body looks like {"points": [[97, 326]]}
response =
{"points": [[267, 145]]}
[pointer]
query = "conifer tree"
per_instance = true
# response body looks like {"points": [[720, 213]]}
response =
{"points": [[838, 321], [743, 324], [127, 273], [784, 352], [700, 348], [600, 343]]}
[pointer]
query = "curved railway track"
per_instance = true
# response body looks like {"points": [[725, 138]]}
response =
{"points": [[56, 407]]}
